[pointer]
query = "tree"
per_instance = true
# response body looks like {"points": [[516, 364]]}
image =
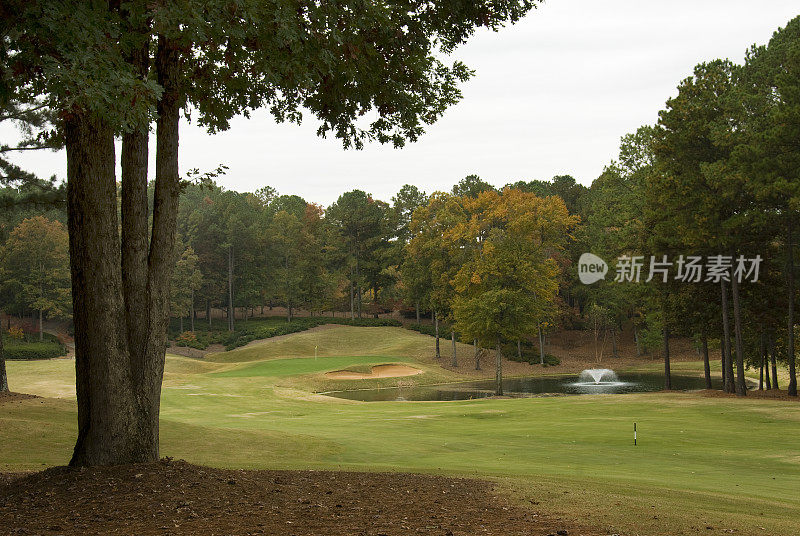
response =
{"points": [[504, 287], [35, 267], [286, 237], [471, 186], [111, 68], [364, 231], [693, 200], [407, 200], [186, 280], [766, 151]]}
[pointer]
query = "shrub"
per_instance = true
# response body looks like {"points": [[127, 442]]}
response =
{"points": [[551, 361], [20, 350], [15, 332]]}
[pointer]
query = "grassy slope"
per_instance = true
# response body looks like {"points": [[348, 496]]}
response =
{"points": [[700, 461]]}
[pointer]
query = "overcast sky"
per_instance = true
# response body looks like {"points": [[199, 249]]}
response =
{"points": [[552, 95]]}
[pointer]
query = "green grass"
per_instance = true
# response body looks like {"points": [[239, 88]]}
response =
{"points": [[279, 368], [724, 463]]}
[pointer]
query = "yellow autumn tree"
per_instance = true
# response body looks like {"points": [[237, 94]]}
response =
{"points": [[508, 282]]}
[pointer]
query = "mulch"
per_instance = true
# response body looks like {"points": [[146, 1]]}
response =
{"points": [[176, 498]]}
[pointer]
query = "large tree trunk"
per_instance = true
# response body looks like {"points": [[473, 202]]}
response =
{"points": [[41, 326], [741, 385], [3, 377], [192, 312], [119, 370], [667, 374], [727, 368], [161, 261], [498, 371], [416, 308], [107, 424], [477, 354], [792, 391], [706, 363]]}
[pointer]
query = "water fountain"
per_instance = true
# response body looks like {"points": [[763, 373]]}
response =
{"points": [[598, 377]]}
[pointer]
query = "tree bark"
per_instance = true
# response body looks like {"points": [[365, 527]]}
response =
{"points": [[774, 362], [436, 322], [160, 260], [636, 340], [706, 363], [358, 284], [498, 372], [541, 345], [761, 352], [727, 368], [519, 349], [667, 374], [416, 308], [107, 423], [191, 312], [352, 302], [766, 365], [741, 385], [41, 326], [722, 360], [614, 352], [454, 362], [792, 390], [477, 354]]}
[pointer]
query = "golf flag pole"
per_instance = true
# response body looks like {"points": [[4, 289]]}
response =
{"points": [[634, 434]]}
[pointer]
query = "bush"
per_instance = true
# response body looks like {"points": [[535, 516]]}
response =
{"points": [[551, 361], [15, 332], [191, 340], [23, 350], [429, 329]]}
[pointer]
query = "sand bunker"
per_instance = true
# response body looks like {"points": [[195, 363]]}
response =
{"points": [[378, 371]]}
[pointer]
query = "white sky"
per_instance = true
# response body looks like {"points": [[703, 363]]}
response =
{"points": [[552, 95]]}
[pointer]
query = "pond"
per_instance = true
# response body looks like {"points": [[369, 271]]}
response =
{"points": [[626, 382]]}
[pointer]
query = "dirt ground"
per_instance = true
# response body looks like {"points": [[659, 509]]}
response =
{"points": [[174, 497]]}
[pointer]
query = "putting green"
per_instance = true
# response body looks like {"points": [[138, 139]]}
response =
{"points": [[700, 462]]}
